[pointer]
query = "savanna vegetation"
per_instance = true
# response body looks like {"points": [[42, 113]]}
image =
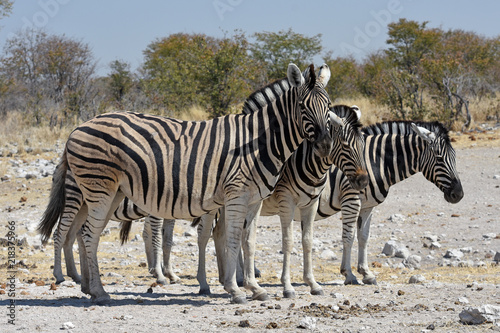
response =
{"points": [[423, 73]]}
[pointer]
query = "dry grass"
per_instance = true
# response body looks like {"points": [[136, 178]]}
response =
{"points": [[371, 112]]}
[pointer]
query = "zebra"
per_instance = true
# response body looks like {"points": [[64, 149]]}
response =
{"points": [[394, 151], [154, 160], [348, 159], [65, 235]]}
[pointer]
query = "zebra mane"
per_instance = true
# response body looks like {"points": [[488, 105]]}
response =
{"points": [[265, 95], [346, 112], [404, 128]]}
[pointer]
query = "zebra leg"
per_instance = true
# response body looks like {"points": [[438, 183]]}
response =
{"points": [[84, 267], [155, 227], [219, 235], [168, 241], [286, 218], [364, 220], [307, 217], [239, 269], [204, 231], [99, 213], [148, 244], [350, 211], [235, 212], [249, 281], [76, 225]]}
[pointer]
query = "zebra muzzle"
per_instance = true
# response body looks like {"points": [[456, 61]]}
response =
{"points": [[359, 180]]}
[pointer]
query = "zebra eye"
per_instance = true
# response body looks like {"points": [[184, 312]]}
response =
{"points": [[345, 144]]}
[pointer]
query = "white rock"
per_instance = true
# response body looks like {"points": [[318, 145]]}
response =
{"points": [[417, 278], [413, 261], [466, 249], [113, 274], [453, 254], [390, 248], [484, 314], [308, 323], [328, 255], [396, 218], [435, 245], [496, 177], [402, 252], [490, 235], [68, 284], [463, 300], [337, 295], [68, 325]]}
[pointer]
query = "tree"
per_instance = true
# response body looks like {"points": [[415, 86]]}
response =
{"points": [[183, 70], [53, 72], [277, 49], [410, 42], [120, 82], [5, 8], [345, 77]]}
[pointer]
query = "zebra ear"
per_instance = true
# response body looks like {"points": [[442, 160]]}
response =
{"points": [[424, 133], [324, 74], [294, 75], [335, 120], [356, 109]]}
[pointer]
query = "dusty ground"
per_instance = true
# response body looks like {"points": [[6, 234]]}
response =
{"points": [[393, 305]]}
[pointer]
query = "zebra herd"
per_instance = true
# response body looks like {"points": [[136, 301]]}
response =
{"points": [[288, 153]]}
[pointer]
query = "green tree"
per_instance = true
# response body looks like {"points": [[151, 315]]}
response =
{"points": [[277, 49], [184, 70], [5, 7], [120, 82], [344, 80], [409, 42]]}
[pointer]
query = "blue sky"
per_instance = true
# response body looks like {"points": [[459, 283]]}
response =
{"points": [[123, 29]]}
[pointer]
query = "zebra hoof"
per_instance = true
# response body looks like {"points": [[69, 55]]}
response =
{"points": [[162, 281], [204, 291], [239, 300], [239, 283], [85, 290], [372, 281], [175, 280], [102, 300], [257, 273], [59, 281], [261, 297], [353, 282], [289, 294], [318, 292]]}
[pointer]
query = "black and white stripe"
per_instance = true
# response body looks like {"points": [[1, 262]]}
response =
{"points": [[394, 151], [183, 169]]}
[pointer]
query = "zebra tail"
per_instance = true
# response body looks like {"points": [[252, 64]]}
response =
{"points": [[195, 222], [125, 231], [57, 201]]}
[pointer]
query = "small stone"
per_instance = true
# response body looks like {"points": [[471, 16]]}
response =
{"points": [[490, 235], [401, 293], [328, 255], [484, 314], [402, 252], [191, 232], [113, 274], [68, 326], [390, 248], [496, 177], [396, 218], [497, 257], [272, 325], [308, 323], [39, 283], [453, 254], [463, 300], [244, 323], [337, 295], [53, 286], [412, 261], [416, 279]]}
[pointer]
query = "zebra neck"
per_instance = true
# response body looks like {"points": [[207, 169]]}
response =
{"points": [[392, 157], [278, 131], [308, 166]]}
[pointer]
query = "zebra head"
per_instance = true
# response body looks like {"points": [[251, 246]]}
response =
{"points": [[438, 159], [348, 144], [314, 102]]}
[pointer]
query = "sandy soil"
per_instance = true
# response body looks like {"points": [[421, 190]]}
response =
{"points": [[394, 305]]}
